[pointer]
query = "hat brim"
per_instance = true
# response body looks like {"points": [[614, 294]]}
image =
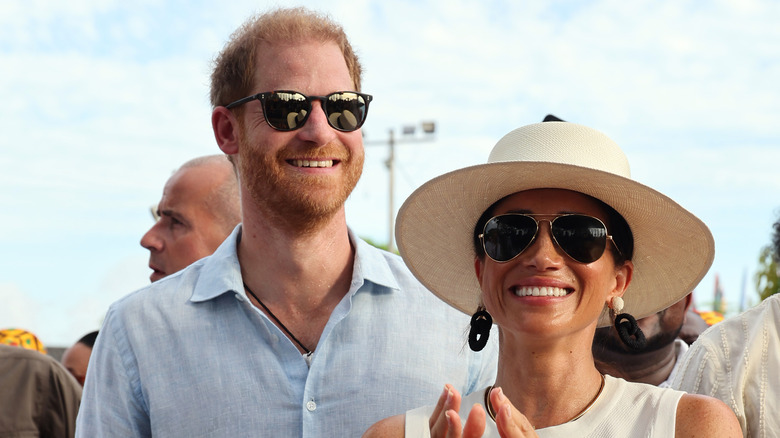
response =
{"points": [[673, 249]]}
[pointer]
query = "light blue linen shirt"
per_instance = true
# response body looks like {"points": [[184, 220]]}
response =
{"points": [[190, 356]]}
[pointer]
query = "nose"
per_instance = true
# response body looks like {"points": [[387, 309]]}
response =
{"points": [[543, 253], [317, 130], [151, 240]]}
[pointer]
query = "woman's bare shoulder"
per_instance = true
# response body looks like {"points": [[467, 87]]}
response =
{"points": [[700, 415], [388, 428]]}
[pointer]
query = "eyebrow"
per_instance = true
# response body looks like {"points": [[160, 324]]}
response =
{"points": [[175, 215]]}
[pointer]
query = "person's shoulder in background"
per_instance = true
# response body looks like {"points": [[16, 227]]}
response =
{"points": [[38, 394]]}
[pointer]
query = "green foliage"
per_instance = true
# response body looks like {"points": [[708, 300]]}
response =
{"points": [[378, 245], [767, 282]]}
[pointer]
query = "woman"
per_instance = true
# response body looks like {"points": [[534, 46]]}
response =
{"points": [[562, 241]]}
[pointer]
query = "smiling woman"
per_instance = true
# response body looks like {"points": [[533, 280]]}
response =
{"points": [[550, 239]]}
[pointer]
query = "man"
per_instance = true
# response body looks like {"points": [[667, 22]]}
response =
{"points": [[656, 363], [737, 361], [294, 326], [38, 397], [76, 358], [198, 210]]}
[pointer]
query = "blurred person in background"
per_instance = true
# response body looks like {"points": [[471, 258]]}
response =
{"points": [[199, 208], [38, 396], [696, 322], [76, 358], [657, 361]]}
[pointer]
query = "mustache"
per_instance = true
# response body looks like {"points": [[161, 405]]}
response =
{"points": [[330, 151]]}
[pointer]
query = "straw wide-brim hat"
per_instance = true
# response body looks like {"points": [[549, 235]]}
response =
{"points": [[673, 249]]}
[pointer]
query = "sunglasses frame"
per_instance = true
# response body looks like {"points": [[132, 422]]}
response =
{"points": [[367, 98], [608, 237]]}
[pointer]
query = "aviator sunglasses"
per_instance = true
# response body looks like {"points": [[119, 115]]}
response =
{"points": [[583, 238], [286, 110]]}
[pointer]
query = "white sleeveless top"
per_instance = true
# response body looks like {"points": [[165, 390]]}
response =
{"points": [[624, 409]]}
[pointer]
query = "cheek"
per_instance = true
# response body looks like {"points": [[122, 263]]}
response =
{"points": [[598, 283], [211, 233], [194, 244], [648, 324], [182, 245], [491, 285]]}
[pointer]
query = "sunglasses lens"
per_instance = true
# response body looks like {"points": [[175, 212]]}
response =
{"points": [[583, 238], [507, 236], [285, 110], [289, 110], [346, 111]]}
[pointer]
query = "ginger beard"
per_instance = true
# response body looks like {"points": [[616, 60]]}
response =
{"points": [[299, 199]]}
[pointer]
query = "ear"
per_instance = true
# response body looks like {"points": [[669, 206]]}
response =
{"points": [[226, 129], [478, 267], [688, 301], [623, 275]]}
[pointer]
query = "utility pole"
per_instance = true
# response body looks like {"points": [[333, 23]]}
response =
{"points": [[428, 128]]}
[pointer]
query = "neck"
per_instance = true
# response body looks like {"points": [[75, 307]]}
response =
{"points": [[537, 377], [652, 367], [299, 277]]}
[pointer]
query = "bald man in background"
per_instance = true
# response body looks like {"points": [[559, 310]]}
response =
{"points": [[199, 208]]}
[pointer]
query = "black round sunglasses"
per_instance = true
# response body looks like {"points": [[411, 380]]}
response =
{"points": [[286, 110]]}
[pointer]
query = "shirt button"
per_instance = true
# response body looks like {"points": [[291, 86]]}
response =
{"points": [[311, 406]]}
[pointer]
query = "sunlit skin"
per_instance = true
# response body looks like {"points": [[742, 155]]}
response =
{"points": [[540, 320], [295, 252], [306, 197], [75, 359], [187, 229]]}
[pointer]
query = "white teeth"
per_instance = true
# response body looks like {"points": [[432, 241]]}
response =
{"points": [[539, 291], [313, 163]]}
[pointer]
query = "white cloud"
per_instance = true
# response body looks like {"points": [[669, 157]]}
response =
{"points": [[18, 310]]}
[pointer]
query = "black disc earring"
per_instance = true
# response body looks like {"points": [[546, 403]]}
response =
{"points": [[481, 323]]}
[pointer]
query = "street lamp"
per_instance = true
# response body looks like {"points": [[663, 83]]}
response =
{"points": [[408, 136]]}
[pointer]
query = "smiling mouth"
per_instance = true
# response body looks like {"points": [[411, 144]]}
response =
{"points": [[540, 291], [311, 163]]}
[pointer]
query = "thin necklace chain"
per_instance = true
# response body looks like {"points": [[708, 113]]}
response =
{"points": [[584, 411], [271, 314]]}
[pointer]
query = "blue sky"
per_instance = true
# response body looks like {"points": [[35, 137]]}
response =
{"points": [[102, 100]]}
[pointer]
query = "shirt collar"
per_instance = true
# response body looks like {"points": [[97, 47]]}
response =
{"points": [[371, 264], [221, 272]]}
